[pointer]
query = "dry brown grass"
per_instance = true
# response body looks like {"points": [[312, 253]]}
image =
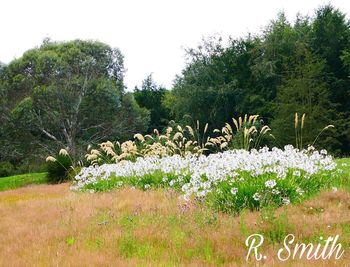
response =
{"points": [[48, 225]]}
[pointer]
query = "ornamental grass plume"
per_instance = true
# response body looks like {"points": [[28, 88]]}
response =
{"points": [[299, 127], [50, 159], [245, 136]]}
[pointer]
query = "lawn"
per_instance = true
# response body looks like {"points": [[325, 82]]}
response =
{"points": [[49, 225], [16, 181]]}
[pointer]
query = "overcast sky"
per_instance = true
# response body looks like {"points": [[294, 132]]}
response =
{"points": [[151, 34]]}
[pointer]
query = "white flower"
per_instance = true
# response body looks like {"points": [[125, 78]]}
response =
{"points": [[234, 190], [323, 151], [256, 196], [147, 186], [296, 173], [270, 183], [334, 189], [286, 201], [200, 175], [275, 191], [300, 191]]}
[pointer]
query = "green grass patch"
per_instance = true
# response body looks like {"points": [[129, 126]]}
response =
{"points": [[342, 177], [17, 181]]}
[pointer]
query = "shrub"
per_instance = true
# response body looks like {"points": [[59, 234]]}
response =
{"points": [[30, 166], [60, 168], [6, 169]]}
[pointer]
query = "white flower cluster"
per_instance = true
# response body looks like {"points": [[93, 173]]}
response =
{"points": [[207, 171]]}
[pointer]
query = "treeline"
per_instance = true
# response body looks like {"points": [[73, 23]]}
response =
{"points": [[302, 67], [72, 94]]}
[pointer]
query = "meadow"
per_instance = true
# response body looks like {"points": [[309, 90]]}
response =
{"points": [[50, 225], [178, 176]]}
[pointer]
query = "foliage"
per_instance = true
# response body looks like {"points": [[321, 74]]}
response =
{"points": [[150, 96], [288, 68], [13, 182], [60, 168], [6, 169], [65, 95]]}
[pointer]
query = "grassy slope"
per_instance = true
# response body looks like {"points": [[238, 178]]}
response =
{"points": [[16, 181], [157, 228]]}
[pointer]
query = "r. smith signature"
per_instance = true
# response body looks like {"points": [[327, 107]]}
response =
{"points": [[330, 248]]}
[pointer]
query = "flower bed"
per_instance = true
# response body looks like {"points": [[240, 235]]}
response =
{"points": [[228, 181]]}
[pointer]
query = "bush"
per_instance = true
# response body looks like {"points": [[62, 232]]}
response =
{"points": [[6, 169], [31, 166], [59, 169]]}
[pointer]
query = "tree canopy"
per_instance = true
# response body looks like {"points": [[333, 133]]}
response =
{"points": [[67, 95], [288, 68]]}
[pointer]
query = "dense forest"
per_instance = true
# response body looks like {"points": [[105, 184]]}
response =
{"points": [[72, 94]]}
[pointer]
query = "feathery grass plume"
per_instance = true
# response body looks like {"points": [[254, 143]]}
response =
{"points": [[109, 144], [301, 130], [63, 152], [95, 152], [169, 130], [156, 132], [50, 158], [235, 123], [324, 129], [148, 136], [299, 126], [139, 137], [205, 128], [302, 121], [223, 145], [245, 136], [190, 130], [296, 122], [177, 136]]}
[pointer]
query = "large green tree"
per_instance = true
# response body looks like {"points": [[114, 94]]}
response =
{"points": [[66, 95]]}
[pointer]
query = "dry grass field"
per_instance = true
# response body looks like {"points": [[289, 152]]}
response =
{"points": [[49, 225]]}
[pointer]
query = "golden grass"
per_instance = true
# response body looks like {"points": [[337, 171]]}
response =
{"points": [[48, 225]]}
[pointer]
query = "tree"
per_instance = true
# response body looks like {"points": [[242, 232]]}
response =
{"points": [[330, 40], [150, 96], [304, 90], [67, 93], [214, 85]]}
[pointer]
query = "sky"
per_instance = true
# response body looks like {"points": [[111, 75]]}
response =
{"points": [[151, 34]]}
